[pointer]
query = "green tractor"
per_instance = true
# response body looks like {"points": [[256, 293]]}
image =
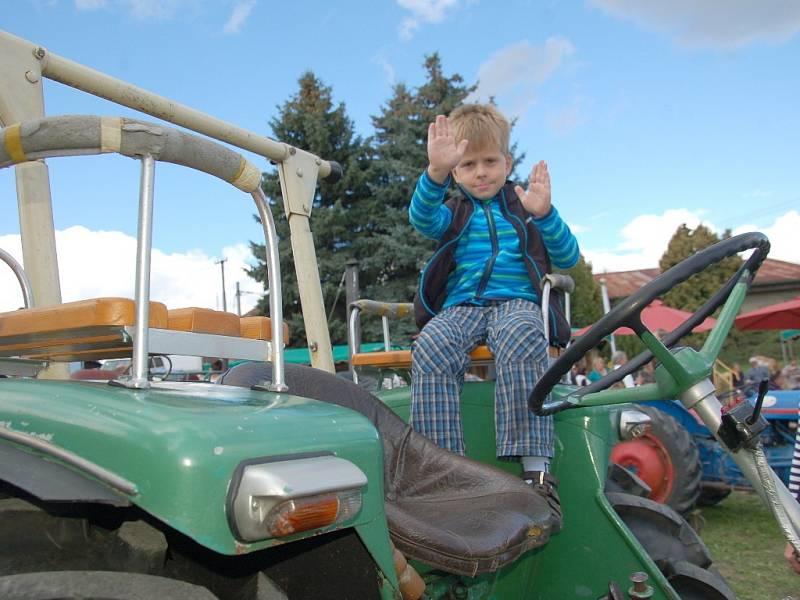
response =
{"points": [[284, 481]]}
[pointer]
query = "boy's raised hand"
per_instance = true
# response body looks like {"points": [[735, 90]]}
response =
{"points": [[536, 199], [443, 152]]}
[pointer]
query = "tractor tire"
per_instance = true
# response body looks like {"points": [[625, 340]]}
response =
{"points": [[666, 458], [712, 496], [97, 585], [674, 546]]}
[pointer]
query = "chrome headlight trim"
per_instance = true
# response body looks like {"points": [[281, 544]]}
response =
{"points": [[633, 424], [260, 485]]}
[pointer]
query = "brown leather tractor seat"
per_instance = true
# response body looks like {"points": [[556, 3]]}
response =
{"points": [[446, 510]]}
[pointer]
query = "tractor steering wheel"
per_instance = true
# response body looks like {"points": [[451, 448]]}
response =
{"points": [[628, 313]]}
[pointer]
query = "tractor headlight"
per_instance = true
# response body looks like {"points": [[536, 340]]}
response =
{"points": [[633, 424], [276, 499]]}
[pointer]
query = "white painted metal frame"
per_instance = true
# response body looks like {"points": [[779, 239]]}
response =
{"points": [[23, 64]]}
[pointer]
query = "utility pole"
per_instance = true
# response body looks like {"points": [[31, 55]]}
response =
{"points": [[606, 309], [221, 263], [238, 300], [352, 293]]}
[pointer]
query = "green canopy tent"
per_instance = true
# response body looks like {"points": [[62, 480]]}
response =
{"points": [[341, 353]]}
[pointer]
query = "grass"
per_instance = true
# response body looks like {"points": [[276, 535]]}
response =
{"points": [[747, 547]]}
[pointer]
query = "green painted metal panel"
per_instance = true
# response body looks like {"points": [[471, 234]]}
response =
{"points": [[180, 443], [593, 549]]}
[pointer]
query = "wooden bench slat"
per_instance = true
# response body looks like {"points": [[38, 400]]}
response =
{"points": [[259, 328], [94, 328], [203, 320], [401, 359], [95, 312]]}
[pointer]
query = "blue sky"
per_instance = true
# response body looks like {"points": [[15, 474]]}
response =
{"points": [[650, 114]]}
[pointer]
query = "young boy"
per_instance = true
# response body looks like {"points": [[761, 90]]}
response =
{"points": [[496, 242]]}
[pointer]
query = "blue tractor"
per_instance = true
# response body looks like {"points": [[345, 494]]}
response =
{"points": [[683, 465]]}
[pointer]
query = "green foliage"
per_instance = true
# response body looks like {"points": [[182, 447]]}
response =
{"points": [[693, 293], [393, 253], [690, 295], [586, 303], [365, 215], [309, 120]]}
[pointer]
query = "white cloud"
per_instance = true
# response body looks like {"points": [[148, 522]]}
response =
{"points": [[90, 4], [388, 68], [576, 229], [238, 16], [153, 9], [643, 241], [101, 263], [645, 238], [720, 24], [782, 235], [566, 119], [514, 73], [423, 11]]}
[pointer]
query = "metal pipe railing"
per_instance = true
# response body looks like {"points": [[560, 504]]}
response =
{"points": [[275, 295], [24, 282], [94, 82], [144, 248]]}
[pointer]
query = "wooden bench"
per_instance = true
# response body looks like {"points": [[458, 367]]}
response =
{"points": [[401, 359], [102, 328]]}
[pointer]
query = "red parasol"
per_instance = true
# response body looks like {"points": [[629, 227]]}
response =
{"points": [[657, 316], [784, 315]]}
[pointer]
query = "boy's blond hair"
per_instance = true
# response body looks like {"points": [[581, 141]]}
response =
{"points": [[483, 125]]}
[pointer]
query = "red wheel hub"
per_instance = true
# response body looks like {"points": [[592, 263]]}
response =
{"points": [[649, 459]]}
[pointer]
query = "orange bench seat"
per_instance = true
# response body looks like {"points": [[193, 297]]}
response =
{"points": [[401, 359], [94, 328]]}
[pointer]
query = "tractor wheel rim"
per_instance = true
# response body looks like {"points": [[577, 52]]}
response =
{"points": [[649, 459]]}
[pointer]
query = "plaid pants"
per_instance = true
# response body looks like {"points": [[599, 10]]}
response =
{"points": [[513, 331]]}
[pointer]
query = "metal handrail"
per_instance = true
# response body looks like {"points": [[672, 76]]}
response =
{"points": [[298, 170], [217, 160], [24, 282]]}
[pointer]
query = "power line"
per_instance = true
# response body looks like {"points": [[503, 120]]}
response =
{"points": [[760, 212]]}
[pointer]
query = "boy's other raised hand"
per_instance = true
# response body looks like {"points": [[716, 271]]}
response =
{"points": [[792, 558], [536, 199], [443, 152]]}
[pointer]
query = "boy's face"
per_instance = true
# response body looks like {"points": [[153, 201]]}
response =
{"points": [[483, 172]]}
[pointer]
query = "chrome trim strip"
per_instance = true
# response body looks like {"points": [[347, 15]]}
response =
{"points": [[96, 471]]}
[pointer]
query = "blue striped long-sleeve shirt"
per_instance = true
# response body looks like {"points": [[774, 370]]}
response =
{"points": [[489, 242]]}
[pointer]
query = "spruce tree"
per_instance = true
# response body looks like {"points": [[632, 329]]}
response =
{"points": [[586, 304], [393, 254], [310, 120]]}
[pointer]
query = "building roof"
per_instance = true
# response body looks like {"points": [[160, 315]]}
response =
{"points": [[623, 283], [777, 271]]}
